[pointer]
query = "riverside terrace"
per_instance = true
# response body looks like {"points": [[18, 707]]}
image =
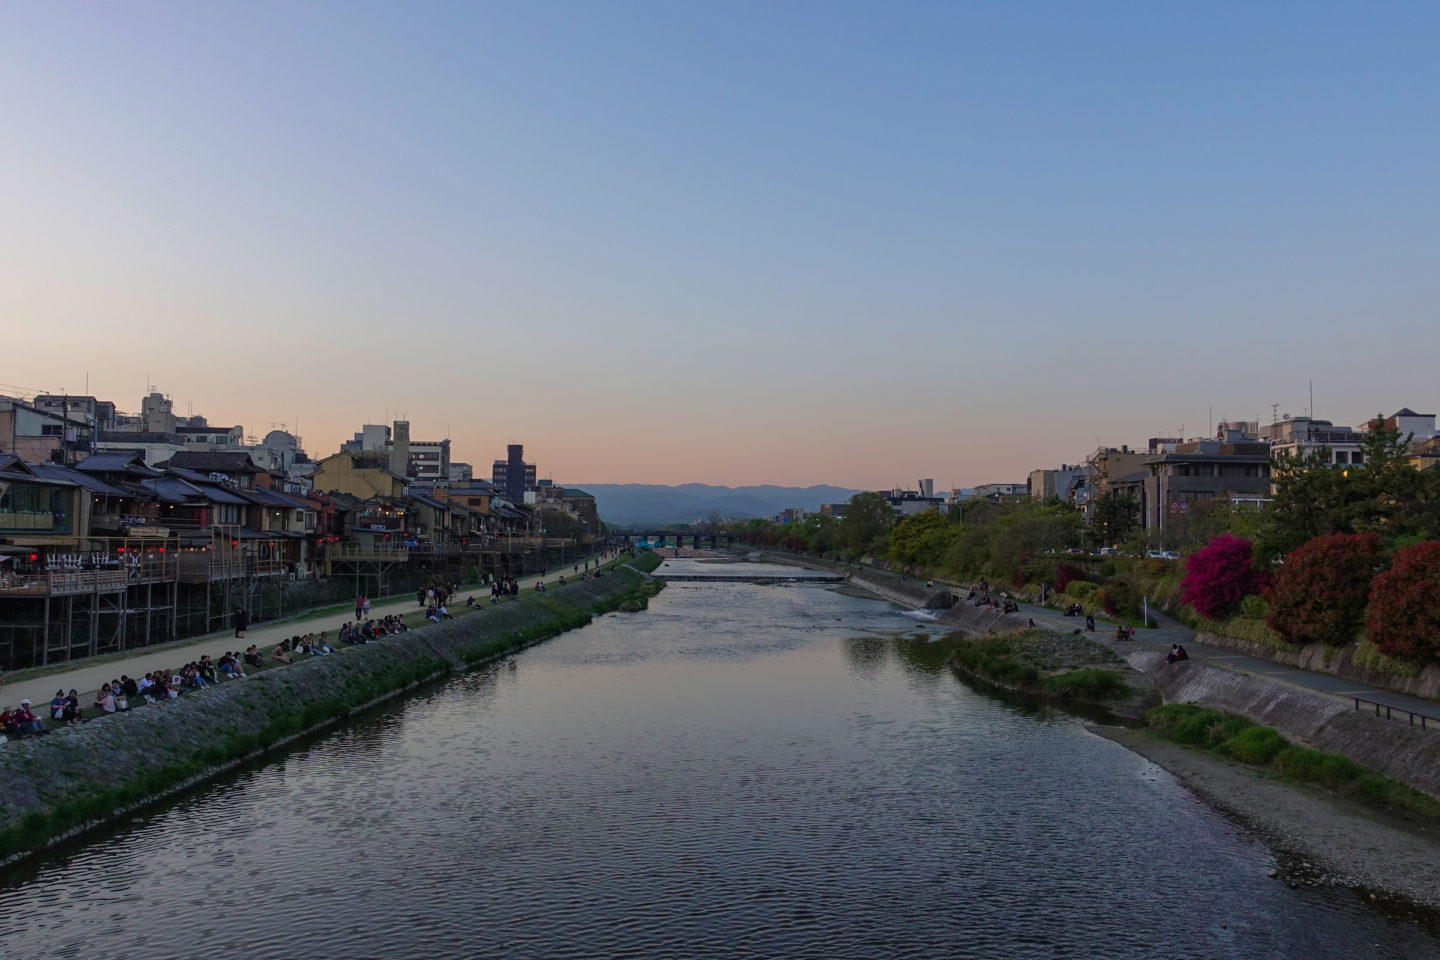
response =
{"points": [[111, 553], [89, 678]]}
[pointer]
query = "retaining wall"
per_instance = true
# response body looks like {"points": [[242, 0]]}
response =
{"points": [[77, 778], [1341, 663], [907, 593], [1401, 752]]}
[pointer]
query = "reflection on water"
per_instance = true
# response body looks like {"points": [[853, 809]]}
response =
{"points": [[742, 771]]}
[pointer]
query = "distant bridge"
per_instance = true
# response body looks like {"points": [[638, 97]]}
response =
{"points": [[677, 538], [762, 580]]}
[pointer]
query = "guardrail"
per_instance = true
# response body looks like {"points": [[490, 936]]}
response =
{"points": [[1389, 712]]}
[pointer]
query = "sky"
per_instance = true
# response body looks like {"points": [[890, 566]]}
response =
{"points": [[738, 242]]}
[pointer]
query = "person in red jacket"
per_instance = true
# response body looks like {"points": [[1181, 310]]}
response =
{"points": [[28, 722]]}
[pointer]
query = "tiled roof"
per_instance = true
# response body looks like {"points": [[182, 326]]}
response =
{"points": [[219, 462], [174, 490], [94, 484], [116, 463]]}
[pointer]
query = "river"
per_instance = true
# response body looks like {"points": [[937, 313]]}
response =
{"points": [[744, 770]]}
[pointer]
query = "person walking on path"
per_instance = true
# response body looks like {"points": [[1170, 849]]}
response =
{"points": [[359, 605], [365, 605], [242, 620]]}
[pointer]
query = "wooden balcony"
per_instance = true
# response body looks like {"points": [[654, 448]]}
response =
{"points": [[62, 583]]}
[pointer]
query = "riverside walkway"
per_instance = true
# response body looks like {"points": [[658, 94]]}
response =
{"points": [[1171, 631], [87, 676]]}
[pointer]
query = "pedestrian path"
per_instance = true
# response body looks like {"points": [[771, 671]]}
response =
{"points": [[87, 676], [1172, 631]]}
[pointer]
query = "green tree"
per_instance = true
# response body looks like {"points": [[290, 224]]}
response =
{"points": [[1116, 516], [1382, 494], [868, 517], [922, 539]]}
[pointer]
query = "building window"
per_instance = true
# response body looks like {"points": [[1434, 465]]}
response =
{"points": [[1357, 457], [1342, 456]]}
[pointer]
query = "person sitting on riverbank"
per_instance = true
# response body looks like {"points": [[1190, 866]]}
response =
{"points": [[1089, 621], [26, 721], [105, 699], [72, 708], [1177, 652], [57, 705], [254, 658], [281, 653], [442, 614], [539, 586], [432, 615], [128, 687]]}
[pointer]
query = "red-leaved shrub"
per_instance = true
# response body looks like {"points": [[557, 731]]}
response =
{"points": [[1403, 618], [1319, 593], [1066, 573], [1121, 599], [1219, 575]]}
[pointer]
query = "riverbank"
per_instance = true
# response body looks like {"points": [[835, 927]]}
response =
{"points": [[79, 778], [1327, 840]]}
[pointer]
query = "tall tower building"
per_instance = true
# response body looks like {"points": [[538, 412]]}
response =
{"points": [[400, 448]]}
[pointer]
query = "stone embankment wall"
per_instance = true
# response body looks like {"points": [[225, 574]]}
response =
{"points": [[1341, 663], [80, 777], [1409, 754], [975, 621], [907, 593]]}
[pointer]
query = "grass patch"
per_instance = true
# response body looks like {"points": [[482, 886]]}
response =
{"points": [[1261, 746], [1087, 684]]}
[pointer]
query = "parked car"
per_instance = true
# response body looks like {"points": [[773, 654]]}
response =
{"points": [[1161, 555], [1108, 552]]}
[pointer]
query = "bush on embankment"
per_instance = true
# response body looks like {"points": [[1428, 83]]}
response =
{"points": [[1237, 738], [82, 776]]}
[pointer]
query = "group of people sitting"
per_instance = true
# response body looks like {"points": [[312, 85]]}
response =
{"points": [[1003, 602], [159, 686], [1177, 652], [355, 634]]}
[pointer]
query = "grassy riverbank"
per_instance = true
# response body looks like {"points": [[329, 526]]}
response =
{"points": [[1047, 664], [80, 777], [1236, 738]]}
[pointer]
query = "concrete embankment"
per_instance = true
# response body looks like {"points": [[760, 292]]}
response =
{"points": [[906, 593], [80, 777], [1338, 662], [976, 621], [1394, 748]]}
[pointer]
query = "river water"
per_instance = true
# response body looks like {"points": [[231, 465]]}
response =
{"points": [[742, 771]]}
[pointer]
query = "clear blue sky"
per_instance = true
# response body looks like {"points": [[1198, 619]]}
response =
{"points": [[792, 242]]}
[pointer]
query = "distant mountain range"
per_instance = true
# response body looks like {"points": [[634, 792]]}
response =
{"points": [[633, 504]]}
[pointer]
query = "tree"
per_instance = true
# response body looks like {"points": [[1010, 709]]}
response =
{"points": [[1319, 593], [922, 538], [1116, 517], [1220, 575], [1403, 616], [1383, 494], [867, 517]]}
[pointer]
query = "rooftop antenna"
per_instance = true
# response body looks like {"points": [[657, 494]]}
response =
{"points": [[1312, 398], [1274, 413]]}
